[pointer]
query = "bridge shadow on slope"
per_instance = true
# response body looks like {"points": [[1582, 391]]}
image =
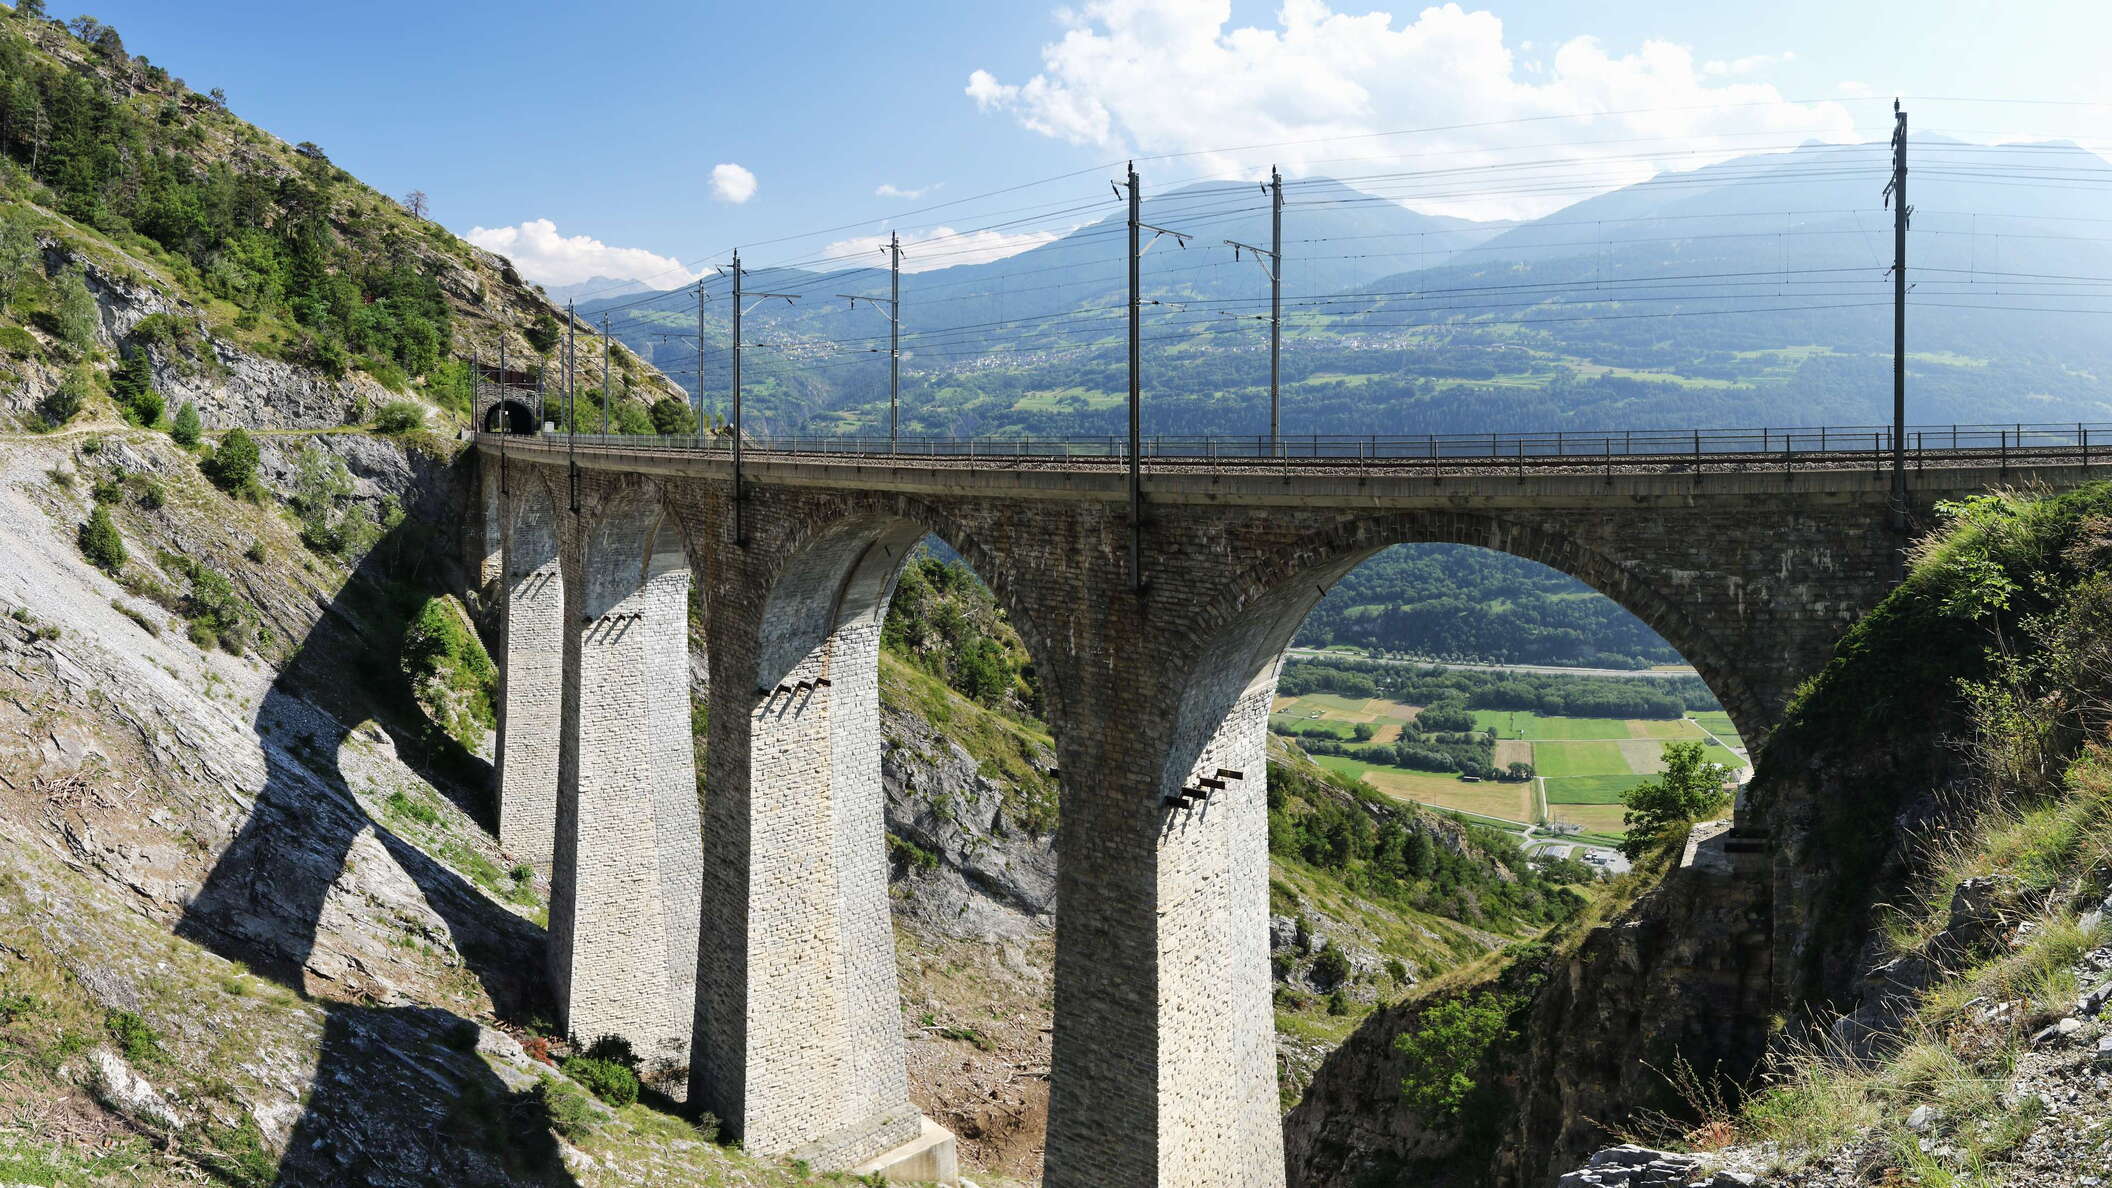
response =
{"points": [[395, 1098]]}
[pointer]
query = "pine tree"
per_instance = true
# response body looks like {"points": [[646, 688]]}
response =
{"points": [[186, 428], [100, 541], [233, 465]]}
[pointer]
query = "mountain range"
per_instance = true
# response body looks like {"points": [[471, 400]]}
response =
{"points": [[1752, 291]]}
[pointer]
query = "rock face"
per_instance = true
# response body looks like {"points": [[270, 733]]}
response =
{"points": [[231, 386], [1630, 1166], [1685, 970], [993, 879]]}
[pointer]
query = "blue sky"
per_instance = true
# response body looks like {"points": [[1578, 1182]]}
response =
{"points": [[609, 121]]}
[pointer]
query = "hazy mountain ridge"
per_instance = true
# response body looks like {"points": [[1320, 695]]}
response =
{"points": [[1746, 293]]}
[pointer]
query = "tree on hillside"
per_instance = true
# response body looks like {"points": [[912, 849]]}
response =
{"points": [[1690, 788], [185, 428], [673, 417], [219, 97], [415, 202], [233, 464], [18, 252], [100, 542], [78, 315], [66, 400], [31, 10]]}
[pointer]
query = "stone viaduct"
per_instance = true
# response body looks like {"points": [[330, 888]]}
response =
{"points": [[736, 919]]}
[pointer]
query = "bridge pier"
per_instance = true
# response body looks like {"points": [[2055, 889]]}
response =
{"points": [[624, 883], [531, 671], [798, 1032]]}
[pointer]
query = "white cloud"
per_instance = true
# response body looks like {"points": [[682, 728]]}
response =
{"points": [[1752, 64], [547, 258], [888, 190], [1172, 76], [940, 247], [732, 183]]}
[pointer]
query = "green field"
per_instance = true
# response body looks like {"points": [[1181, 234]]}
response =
{"points": [[1718, 723], [1558, 759], [1508, 802], [1301, 724], [1590, 789], [1529, 725]]}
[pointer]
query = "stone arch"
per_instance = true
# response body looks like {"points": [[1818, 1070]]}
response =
{"points": [[1216, 1077], [1325, 556], [627, 866], [996, 572], [531, 669], [510, 416]]}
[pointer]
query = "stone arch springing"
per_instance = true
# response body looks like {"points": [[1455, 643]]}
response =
{"points": [[627, 867]]}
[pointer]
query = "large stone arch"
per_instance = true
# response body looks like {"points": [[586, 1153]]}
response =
{"points": [[627, 865], [1302, 571]]}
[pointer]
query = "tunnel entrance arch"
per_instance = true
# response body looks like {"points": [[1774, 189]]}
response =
{"points": [[510, 416]]}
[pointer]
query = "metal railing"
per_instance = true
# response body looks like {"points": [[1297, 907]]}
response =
{"points": [[1821, 445]]}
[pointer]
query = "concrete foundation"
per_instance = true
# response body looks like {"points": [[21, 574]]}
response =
{"points": [[926, 1159]]}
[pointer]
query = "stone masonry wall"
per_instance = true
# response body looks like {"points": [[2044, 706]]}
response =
{"points": [[531, 673], [621, 909]]}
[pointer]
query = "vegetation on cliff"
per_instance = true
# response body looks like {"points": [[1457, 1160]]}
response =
{"points": [[119, 183]]}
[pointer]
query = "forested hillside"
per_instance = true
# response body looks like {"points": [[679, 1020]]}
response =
{"points": [[1459, 602], [116, 175]]}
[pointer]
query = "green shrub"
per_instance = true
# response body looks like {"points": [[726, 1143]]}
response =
{"points": [[255, 552], [106, 490], [132, 386], [100, 541], [134, 1037], [218, 617], [145, 624], [542, 335], [1338, 1003], [412, 809], [672, 416], [386, 373], [77, 318], [19, 342], [233, 463], [1332, 965], [185, 428], [399, 416], [606, 1079], [571, 1113], [451, 674], [147, 491], [16, 1005], [67, 400], [1660, 808]]}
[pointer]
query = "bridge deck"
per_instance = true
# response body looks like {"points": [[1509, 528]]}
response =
{"points": [[1322, 480]]}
